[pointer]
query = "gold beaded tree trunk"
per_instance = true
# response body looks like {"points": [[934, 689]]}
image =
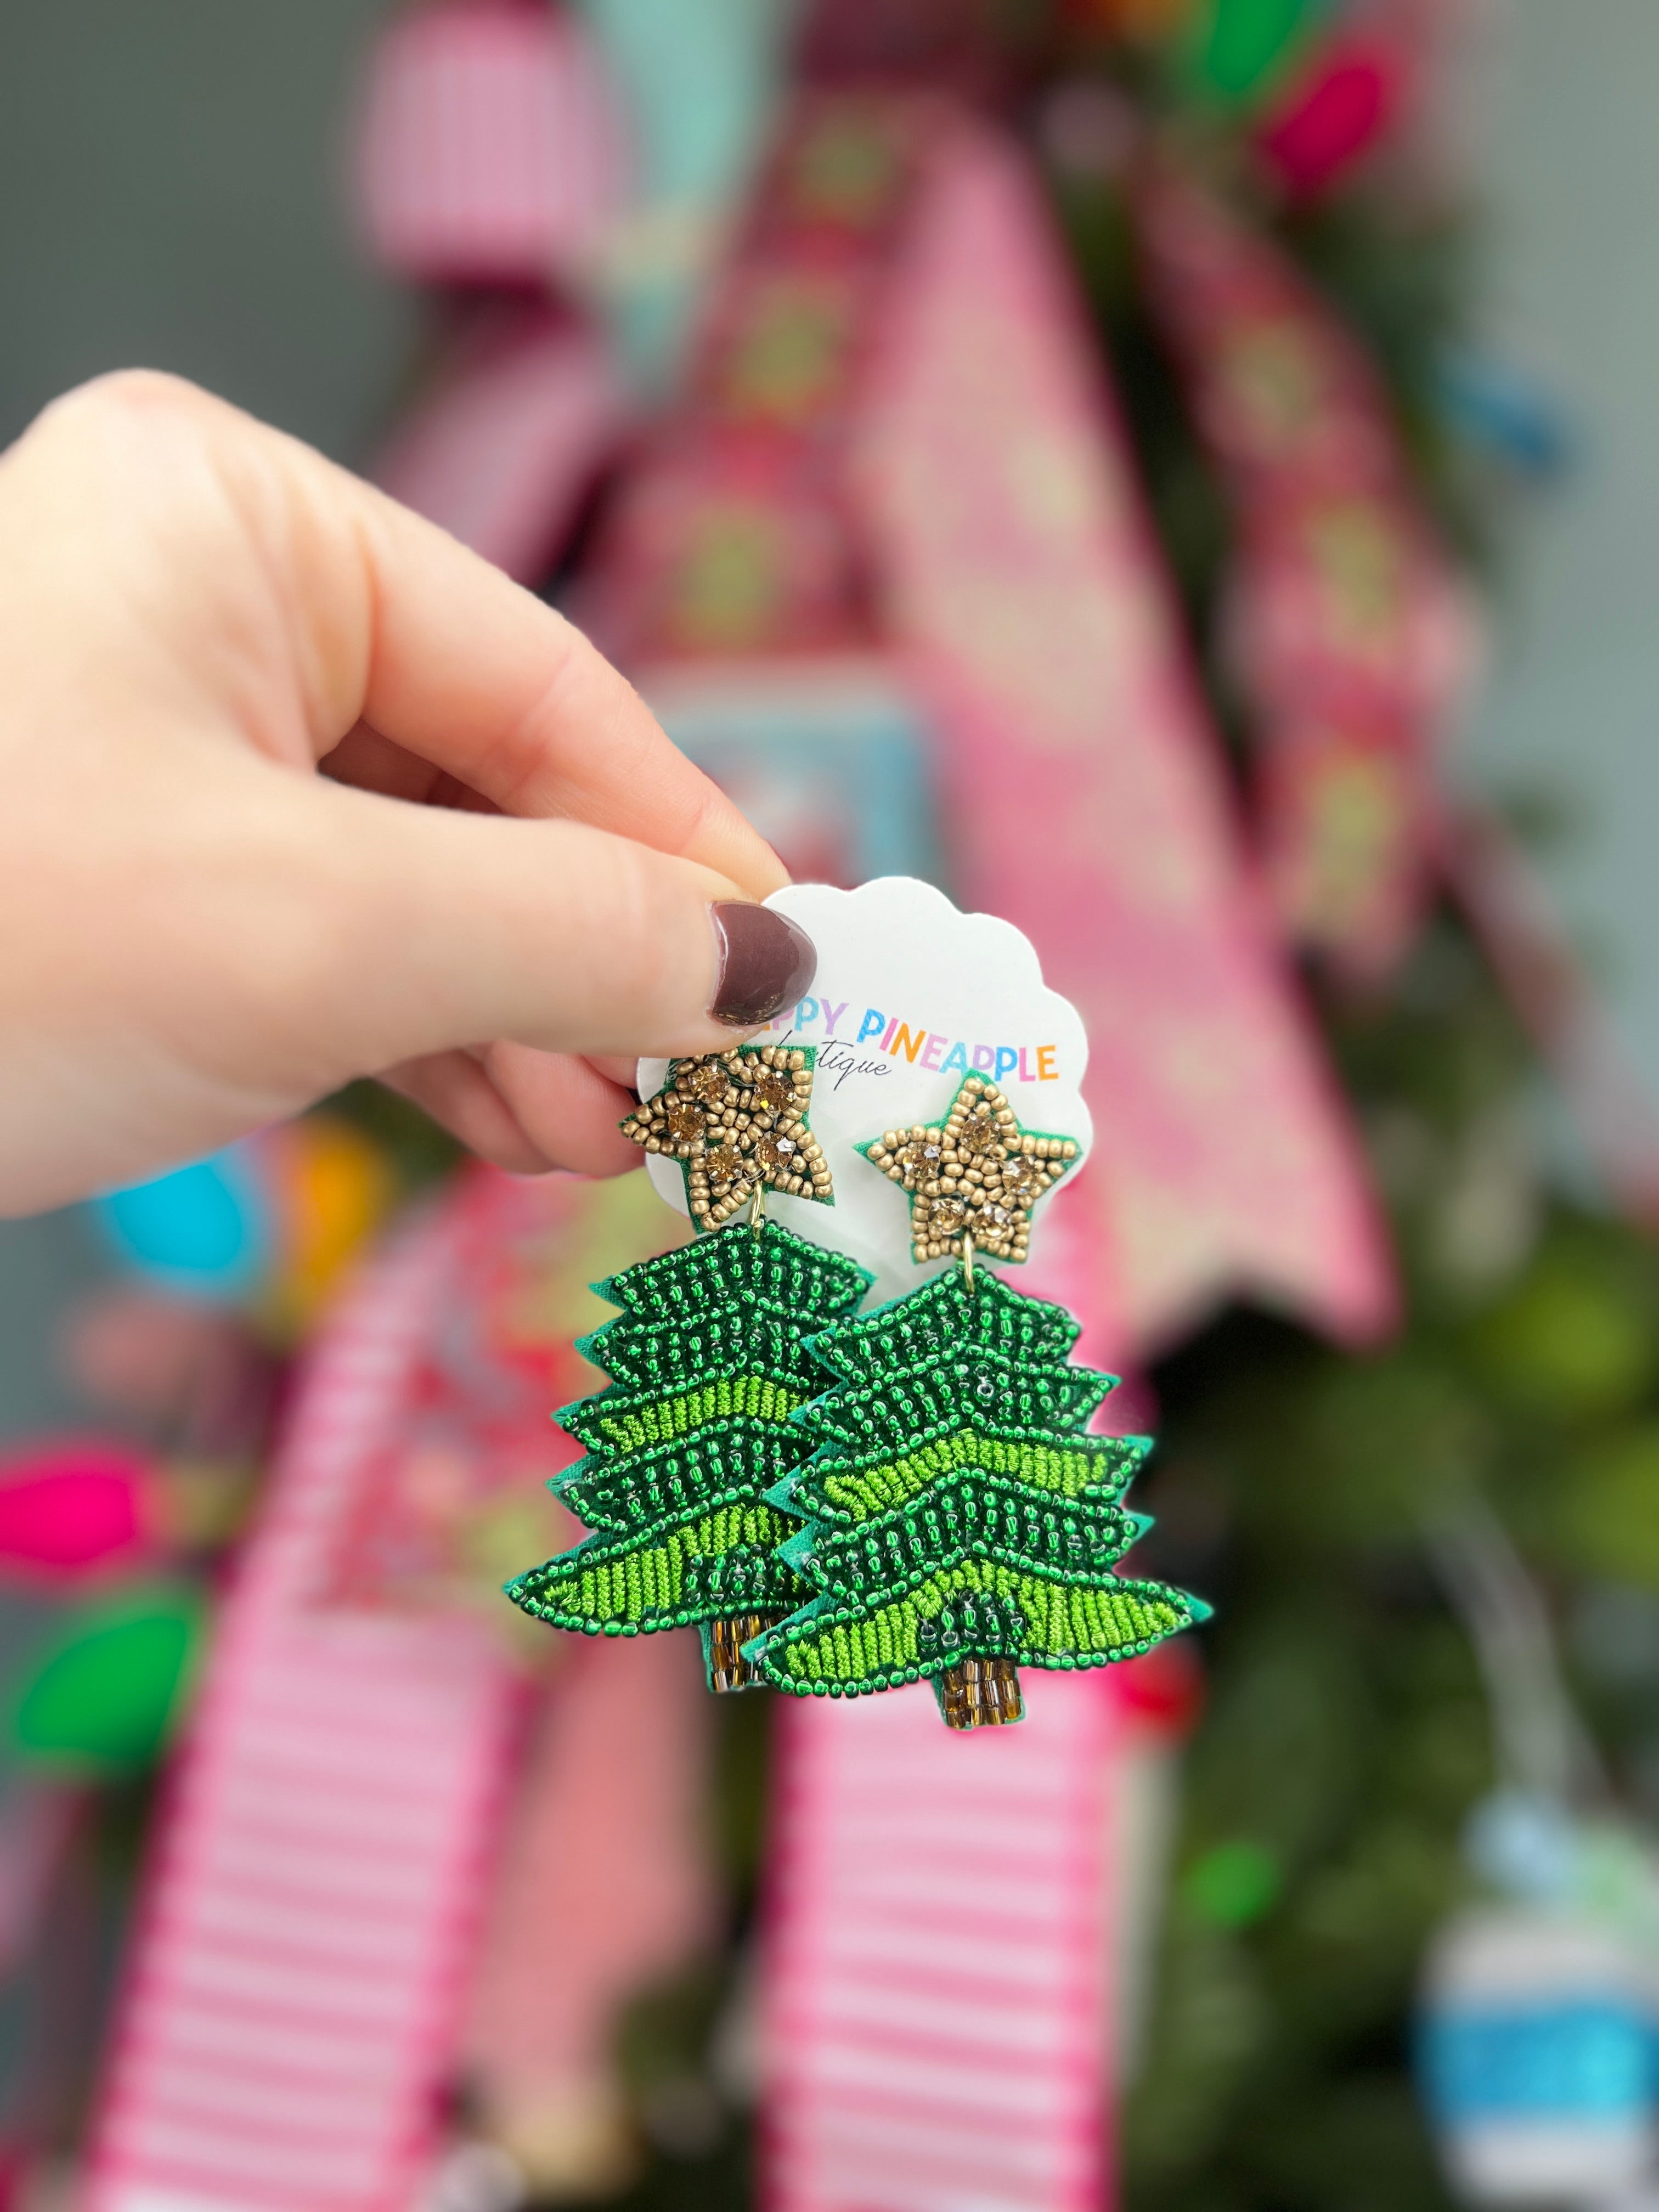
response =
{"points": [[980, 1694]]}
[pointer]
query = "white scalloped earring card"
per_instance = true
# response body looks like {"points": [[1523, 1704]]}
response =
{"points": [[911, 997]]}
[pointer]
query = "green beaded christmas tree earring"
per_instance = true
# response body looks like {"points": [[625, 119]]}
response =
{"points": [[960, 1523], [708, 1362]]}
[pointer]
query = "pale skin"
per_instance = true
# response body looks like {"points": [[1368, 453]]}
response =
{"points": [[297, 789]]}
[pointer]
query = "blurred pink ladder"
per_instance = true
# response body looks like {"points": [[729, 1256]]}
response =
{"points": [[293, 1992], [936, 2005]]}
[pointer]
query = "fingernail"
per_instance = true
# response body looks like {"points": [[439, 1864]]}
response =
{"points": [[766, 963]]}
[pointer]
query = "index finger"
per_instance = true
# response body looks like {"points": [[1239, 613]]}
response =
{"points": [[456, 663]]}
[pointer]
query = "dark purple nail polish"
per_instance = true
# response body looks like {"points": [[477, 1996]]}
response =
{"points": [[767, 963]]}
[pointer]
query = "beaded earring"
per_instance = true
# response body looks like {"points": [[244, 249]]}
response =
{"points": [[707, 1362], [960, 1523]]}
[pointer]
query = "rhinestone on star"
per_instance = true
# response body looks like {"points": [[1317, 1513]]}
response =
{"points": [[737, 1122]]}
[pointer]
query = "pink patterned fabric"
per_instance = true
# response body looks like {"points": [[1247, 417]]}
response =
{"points": [[299, 1984], [600, 1890], [491, 148], [735, 536], [503, 451], [935, 2012], [1082, 790], [293, 1990], [1351, 637]]}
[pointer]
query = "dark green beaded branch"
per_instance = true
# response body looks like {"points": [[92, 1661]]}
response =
{"points": [[708, 1362], [955, 1509]]}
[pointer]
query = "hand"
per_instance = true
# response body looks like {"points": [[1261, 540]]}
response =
{"points": [[297, 789]]}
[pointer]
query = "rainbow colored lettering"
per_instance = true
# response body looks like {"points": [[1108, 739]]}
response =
{"points": [[1003, 1063]]}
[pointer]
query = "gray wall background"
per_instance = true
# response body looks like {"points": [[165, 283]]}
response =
{"points": [[172, 196], [1566, 156]]}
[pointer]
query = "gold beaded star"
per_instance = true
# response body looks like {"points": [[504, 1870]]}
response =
{"points": [[975, 1174], [736, 1122]]}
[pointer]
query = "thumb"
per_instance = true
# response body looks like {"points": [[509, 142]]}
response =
{"points": [[464, 929]]}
